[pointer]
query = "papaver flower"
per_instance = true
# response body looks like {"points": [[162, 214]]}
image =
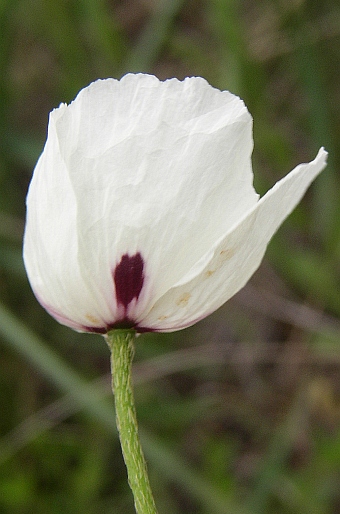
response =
{"points": [[141, 212]]}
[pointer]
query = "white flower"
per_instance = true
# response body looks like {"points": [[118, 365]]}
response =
{"points": [[141, 211]]}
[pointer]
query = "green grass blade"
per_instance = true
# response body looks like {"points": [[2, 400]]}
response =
{"points": [[36, 351], [90, 398], [154, 36]]}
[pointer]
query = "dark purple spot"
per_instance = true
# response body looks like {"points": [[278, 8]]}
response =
{"points": [[128, 277], [123, 324], [95, 330]]}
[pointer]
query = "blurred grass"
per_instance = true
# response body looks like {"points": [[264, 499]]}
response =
{"points": [[248, 419]]}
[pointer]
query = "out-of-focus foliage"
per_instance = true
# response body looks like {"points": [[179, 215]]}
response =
{"points": [[241, 413]]}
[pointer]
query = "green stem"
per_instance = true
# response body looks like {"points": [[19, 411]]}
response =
{"points": [[121, 343]]}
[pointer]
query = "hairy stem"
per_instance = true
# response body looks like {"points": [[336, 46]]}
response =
{"points": [[121, 343]]}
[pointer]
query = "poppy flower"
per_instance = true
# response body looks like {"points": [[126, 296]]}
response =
{"points": [[141, 212]]}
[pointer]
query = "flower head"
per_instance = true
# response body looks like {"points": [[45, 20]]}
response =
{"points": [[141, 211]]}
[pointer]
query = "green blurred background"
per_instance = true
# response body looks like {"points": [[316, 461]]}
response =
{"points": [[241, 413]]}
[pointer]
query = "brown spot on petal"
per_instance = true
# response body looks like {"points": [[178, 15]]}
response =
{"points": [[128, 277], [183, 300], [223, 256], [227, 254], [209, 272], [92, 319]]}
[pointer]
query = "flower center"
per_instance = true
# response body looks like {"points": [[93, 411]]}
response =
{"points": [[128, 278]]}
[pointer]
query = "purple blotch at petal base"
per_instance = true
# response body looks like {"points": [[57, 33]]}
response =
{"points": [[128, 277]]}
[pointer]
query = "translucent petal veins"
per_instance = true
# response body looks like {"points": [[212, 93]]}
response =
{"points": [[129, 278]]}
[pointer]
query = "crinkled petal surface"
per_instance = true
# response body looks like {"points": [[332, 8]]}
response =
{"points": [[141, 210]]}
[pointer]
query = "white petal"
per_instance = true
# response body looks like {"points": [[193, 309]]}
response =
{"points": [[50, 243], [178, 157], [137, 165], [226, 269]]}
